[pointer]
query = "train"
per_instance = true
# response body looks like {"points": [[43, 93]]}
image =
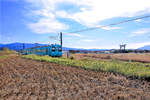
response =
{"points": [[53, 50]]}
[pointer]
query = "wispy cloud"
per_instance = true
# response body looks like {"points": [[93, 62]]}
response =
{"points": [[139, 20], [140, 32], [74, 34], [88, 12], [88, 40], [111, 28], [142, 21], [46, 22], [92, 12], [45, 25], [137, 45]]}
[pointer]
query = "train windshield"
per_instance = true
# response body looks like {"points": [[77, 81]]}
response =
{"points": [[53, 48]]}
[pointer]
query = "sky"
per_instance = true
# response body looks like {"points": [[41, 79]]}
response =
{"points": [[41, 21]]}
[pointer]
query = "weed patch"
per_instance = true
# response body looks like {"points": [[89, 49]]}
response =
{"points": [[129, 69]]}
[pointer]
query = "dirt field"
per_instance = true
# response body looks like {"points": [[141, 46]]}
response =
{"points": [[143, 57], [22, 79]]}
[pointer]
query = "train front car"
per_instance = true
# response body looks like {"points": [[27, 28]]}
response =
{"points": [[55, 50]]}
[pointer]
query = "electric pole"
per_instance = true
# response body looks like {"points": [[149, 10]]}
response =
{"points": [[61, 42]]}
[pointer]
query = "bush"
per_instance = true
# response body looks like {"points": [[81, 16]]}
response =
{"points": [[108, 57], [71, 57]]}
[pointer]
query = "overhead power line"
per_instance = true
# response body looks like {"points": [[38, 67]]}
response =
{"points": [[125, 21]]}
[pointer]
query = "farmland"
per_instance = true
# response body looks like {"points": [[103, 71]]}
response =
{"points": [[132, 57], [129, 69], [7, 53], [43, 77]]}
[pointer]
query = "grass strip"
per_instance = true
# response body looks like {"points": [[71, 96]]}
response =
{"points": [[129, 69], [2, 57]]}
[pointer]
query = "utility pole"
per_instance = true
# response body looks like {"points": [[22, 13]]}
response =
{"points": [[61, 42]]}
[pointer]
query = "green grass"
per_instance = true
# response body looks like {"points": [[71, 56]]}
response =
{"points": [[2, 57], [7, 53], [130, 69]]}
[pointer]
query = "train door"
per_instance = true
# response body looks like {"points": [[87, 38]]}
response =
{"points": [[47, 51]]}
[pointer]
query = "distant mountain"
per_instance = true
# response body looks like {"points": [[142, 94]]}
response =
{"points": [[18, 46], [66, 49], [147, 47], [1, 45]]}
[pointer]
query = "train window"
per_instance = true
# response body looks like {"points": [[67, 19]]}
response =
{"points": [[46, 50], [60, 49], [53, 49]]}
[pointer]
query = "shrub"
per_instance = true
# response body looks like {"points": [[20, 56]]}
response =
{"points": [[71, 57], [108, 57]]}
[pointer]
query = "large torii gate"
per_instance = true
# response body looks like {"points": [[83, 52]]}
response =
{"points": [[123, 47]]}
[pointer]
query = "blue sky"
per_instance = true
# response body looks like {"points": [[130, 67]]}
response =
{"points": [[35, 21]]}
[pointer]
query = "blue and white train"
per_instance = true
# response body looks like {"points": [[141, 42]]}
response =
{"points": [[54, 50]]}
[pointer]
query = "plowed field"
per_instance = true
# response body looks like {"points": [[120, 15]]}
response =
{"points": [[23, 79], [143, 57]]}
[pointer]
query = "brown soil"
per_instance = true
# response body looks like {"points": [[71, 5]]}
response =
{"points": [[23, 79], [145, 57]]}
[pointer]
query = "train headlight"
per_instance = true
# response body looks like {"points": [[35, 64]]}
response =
{"points": [[53, 49]]}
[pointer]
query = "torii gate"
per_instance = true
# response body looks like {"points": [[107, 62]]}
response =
{"points": [[123, 47]]}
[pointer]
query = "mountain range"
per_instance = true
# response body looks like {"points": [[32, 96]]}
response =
{"points": [[147, 47], [18, 46]]}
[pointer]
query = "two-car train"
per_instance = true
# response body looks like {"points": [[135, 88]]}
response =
{"points": [[54, 50]]}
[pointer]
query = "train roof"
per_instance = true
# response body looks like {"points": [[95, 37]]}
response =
{"points": [[38, 47], [43, 46]]}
